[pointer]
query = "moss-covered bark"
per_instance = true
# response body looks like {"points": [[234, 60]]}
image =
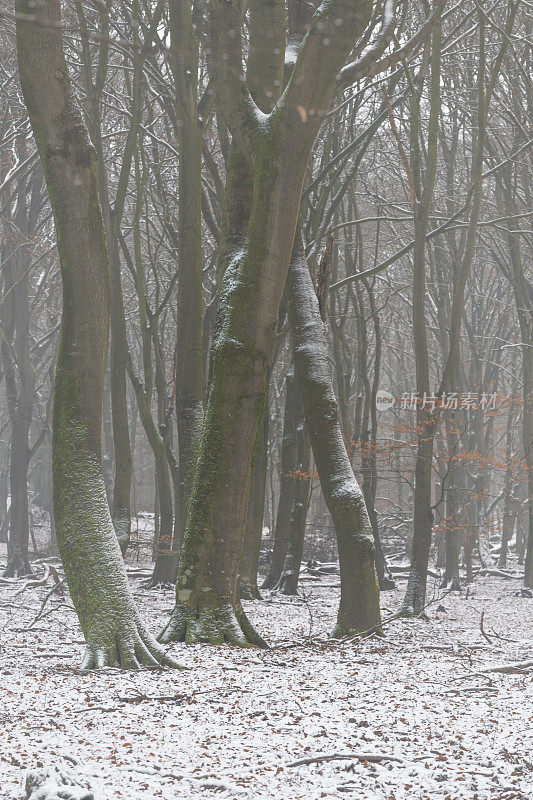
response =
{"points": [[277, 146], [91, 556]]}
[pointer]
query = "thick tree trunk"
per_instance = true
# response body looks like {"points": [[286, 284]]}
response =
{"points": [[254, 517], [277, 147], [91, 556], [287, 482], [359, 604]]}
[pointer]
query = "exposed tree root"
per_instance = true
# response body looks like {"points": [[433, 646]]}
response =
{"points": [[213, 623], [410, 612], [341, 631], [130, 646], [452, 585], [249, 592], [287, 584]]}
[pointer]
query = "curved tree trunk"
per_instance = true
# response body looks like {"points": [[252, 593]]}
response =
{"points": [[359, 604], [91, 556], [277, 146]]}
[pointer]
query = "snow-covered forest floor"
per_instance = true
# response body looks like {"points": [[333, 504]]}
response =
{"points": [[418, 714]]}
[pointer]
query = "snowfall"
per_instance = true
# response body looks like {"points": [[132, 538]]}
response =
{"points": [[437, 709]]}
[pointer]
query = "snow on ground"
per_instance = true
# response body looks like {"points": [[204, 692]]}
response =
{"points": [[231, 726]]}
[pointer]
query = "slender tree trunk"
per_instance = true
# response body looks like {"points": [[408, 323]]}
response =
{"points": [[254, 518], [121, 507], [288, 582], [287, 484], [18, 563], [415, 596], [91, 556], [359, 604], [509, 520], [451, 579], [19, 383], [524, 303], [189, 373]]}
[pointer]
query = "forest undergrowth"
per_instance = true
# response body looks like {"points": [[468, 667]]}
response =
{"points": [[440, 709]]}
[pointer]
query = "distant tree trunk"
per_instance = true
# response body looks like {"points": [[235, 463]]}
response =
{"points": [[254, 517], [156, 428], [288, 582], [18, 563], [287, 483], [19, 375], [451, 579], [415, 596], [121, 504], [189, 390], [91, 557], [359, 603], [112, 215], [523, 292]]}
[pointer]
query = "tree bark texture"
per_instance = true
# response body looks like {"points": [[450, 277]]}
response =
{"points": [[89, 549]]}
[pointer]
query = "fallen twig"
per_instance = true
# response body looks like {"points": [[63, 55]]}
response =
{"points": [[521, 666], [485, 636], [373, 758]]}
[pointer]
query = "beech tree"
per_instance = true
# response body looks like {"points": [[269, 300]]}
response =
{"points": [[89, 549], [276, 145]]}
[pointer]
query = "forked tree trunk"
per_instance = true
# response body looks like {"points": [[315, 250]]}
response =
{"points": [[91, 556], [287, 483], [277, 146], [359, 603]]}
